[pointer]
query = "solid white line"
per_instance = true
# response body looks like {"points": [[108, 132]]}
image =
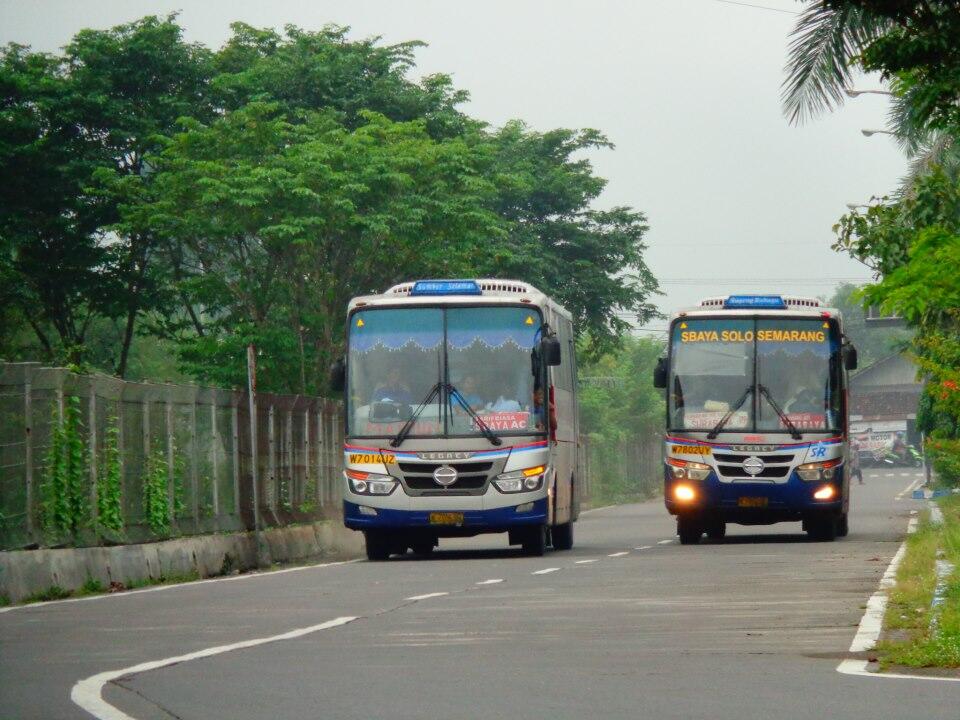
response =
{"points": [[491, 581], [665, 542], [584, 562], [544, 571], [593, 510], [644, 547], [87, 692], [619, 554], [176, 586], [428, 595], [910, 487], [872, 622]]}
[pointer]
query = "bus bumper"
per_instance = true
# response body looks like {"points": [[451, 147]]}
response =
{"points": [[756, 503], [474, 521]]}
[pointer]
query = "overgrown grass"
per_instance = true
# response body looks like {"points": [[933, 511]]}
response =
{"points": [[54, 592], [915, 637]]}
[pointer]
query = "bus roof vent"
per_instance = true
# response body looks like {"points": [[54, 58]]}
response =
{"points": [[493, 286], [713, 302], [801, 302]]}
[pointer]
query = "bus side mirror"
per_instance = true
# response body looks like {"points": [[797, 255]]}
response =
{"points": [[550, 350], [660, 373], [338, 375], [849, 357]]}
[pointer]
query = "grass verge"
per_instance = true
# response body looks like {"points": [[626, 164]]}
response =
{"points": [[917, 636]]}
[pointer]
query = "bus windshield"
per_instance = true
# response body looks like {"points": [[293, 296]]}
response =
{"points": [[401, 357], [765, 365]]}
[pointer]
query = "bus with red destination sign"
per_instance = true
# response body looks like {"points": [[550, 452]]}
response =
{"points": [[756, 428], [461, 416]]}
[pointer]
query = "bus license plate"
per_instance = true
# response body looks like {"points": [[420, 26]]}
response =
{"points": [[446, 518], [754, 502]]}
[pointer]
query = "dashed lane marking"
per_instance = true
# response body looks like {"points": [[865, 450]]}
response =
{"points": [[491, 581], [665, 542], [428, 595], [88, 692], [644, 547], [544, 571], [584, 562], [619, 554]]}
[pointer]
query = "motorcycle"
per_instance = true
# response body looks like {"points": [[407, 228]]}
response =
{"points": [[911, 457]]}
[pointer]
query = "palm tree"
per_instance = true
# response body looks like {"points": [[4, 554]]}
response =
{"points": [[824, 48]]}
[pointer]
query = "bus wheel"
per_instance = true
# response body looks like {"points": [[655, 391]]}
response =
{"points": [[843, 526], [378, 545], [823, 529], [423, 547], [535, 541], [717, 530], [689, 530], [562, 536]]}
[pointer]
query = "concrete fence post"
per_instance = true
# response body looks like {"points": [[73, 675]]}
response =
{"points": [[171, 464], [214, 460], [235, 429], [28, 454], [94, 448], [194, 464], [271, 491], [321, 466], [290, 464], [306, 454]]}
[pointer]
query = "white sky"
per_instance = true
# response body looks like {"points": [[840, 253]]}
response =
{"points": [[688, 90]]}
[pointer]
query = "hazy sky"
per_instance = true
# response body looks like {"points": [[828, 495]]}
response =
{"points": [[688, 90]]}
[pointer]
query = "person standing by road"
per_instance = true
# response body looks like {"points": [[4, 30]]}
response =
{"points": [[854, 461]]}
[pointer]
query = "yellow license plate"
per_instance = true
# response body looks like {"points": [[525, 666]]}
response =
{"points": [[759, 502], [446, 518]]}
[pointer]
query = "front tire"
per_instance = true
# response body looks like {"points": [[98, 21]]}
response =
{"points": [[717, 530], [378, 546], [535, 541], [689, 529], [562, 536], [823, 529], [843, 526]]}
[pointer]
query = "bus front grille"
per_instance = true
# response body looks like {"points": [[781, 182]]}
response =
{"points": [[737, 471], [471, 476]]}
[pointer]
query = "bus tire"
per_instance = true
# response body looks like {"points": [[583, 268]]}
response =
{"points": [[823, 529], [562, 536], [535, 541], [378, 545], [717, 530], [843, 525], [689, 529], [423, 547]]}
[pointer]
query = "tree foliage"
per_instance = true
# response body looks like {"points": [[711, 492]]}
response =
{"points": [[211, 199]]}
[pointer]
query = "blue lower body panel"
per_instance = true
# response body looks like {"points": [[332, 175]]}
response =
{"points": [[474, 521], [792, 500]]}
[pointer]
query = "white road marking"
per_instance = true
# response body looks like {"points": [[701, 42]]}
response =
{"points": [[428, 595], [593, 510], [87, 692], [619, 554], [491, 581], [175, 586], [665, 542], [584, 562], [544, 571], [872, 622], [891, 474], [904, 474], [644, 547]]}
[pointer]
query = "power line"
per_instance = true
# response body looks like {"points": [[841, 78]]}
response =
{"points": [[757, 7]]}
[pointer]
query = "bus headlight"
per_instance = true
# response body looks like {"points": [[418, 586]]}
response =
{"points": [[366, 483], [687, 469], [526, 480], [812, 472]]}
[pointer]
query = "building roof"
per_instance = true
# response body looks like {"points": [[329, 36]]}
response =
{"points": [[894, 372]]}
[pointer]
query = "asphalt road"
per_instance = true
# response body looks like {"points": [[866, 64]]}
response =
{"points": [[629, 624]]}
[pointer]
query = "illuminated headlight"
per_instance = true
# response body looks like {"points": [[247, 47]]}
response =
{"points": [[812, 472], [684, 493], [525, 480], [825, 493], [687, 469], [365, 483]]}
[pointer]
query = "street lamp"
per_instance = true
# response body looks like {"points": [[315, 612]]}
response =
{"points": [[868, 133], [856, 93]]}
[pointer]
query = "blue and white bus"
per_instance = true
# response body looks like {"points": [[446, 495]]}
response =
{"points": [[461, 416], [756, 390]]}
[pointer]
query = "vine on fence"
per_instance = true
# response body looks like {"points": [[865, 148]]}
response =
{"points": [[156, 480], [64, 506], [109, 484]]}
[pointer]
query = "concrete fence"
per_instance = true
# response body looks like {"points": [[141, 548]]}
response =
{"points": [[204, 436]]}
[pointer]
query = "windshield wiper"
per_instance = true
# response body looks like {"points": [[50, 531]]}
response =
{"points": [[729, 414], [408, 426], [484, 428], [783, 416]]}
